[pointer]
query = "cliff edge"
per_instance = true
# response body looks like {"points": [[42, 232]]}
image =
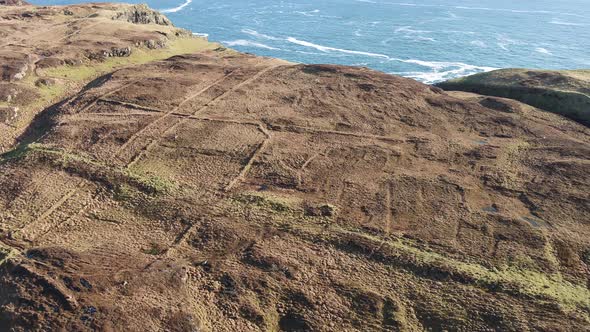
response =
{"points": [[564, 92]]}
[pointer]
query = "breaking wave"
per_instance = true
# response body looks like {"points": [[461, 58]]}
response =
{"points": [[258, 34], [177, 9], [328, 49], [560, 22], [543, 50], [249, 43]]}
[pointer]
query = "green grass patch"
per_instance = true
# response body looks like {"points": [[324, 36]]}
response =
{"points": [[156, 183], [154, 249], [6, 253], [93, 169], [507, 278], [16, 153], [417, 259]]}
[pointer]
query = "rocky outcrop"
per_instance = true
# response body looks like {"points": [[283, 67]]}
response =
{"points": [[142, 14], [113, 52], [7, 114], [13, 3], [14, 70], [7, 92], [151, 43]]}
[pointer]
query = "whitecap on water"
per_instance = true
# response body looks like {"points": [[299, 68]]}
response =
{"points": [[177, 9], [249, 43], [543, 50], [328, 49], [258, 34]]}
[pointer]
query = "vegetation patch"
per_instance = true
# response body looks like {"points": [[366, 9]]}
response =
{"points": [[5, 254], [268, 201], [140, 55], [86, 167], [426, 263], [154, 249]]}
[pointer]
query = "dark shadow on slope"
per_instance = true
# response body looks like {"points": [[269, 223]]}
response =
{"points": [[45, 121]]}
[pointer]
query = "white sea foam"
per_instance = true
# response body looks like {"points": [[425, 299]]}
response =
{"points": [[308, 13], [504, 42], [560, 22], [543, 50], [328, 49], [442, 71], [485, 9], [478, 43], [408, 29], [177, 9], [258, 34], [198, 34], [414, 34], [420, 38], [249, 43]]}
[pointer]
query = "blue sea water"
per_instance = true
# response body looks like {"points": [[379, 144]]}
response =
{"points": [[429, 40]]}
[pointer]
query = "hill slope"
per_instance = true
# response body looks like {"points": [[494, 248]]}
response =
{"points": [[565, 92], [219, 191], [49, 53]]}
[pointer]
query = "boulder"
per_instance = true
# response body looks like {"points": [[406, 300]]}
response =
{"points": [[45, 82]]}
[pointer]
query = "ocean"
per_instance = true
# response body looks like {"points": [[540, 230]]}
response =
{"points": [[429, 40]]}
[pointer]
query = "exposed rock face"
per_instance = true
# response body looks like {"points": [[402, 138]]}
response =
{"points": [[142, 14], [13, 3], [151, 44], [45, 82], [113, 52], [14, 66], [565, 92]]}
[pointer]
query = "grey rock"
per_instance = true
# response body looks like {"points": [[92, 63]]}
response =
{"points": [[8, 114], [142, 14]]}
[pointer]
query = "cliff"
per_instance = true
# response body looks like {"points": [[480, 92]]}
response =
{"points": [[565, 92], [219, 191]]}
